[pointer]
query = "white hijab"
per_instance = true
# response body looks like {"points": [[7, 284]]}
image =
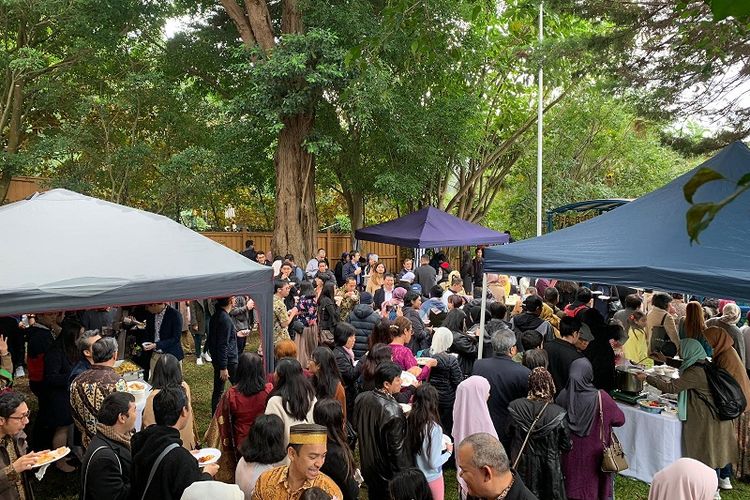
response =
{"points": [[442, 339]]}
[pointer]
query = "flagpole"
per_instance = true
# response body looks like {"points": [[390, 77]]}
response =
{"points": [[540, 112]]}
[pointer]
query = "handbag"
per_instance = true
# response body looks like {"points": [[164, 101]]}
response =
{"points": [[613, 459], [325, 338], [528, 434]]}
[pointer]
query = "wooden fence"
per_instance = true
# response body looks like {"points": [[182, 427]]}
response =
{"points": [[334, 243], [22, 187]]}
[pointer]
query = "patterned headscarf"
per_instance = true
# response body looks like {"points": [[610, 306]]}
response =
{"points": [[730, 314], [541, 385]]}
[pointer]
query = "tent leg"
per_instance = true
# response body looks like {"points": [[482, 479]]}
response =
{"points": [[482, 316]]}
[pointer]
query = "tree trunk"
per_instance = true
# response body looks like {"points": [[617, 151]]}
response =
{"points": [[296, 220], [15, 131], [355, 205]]}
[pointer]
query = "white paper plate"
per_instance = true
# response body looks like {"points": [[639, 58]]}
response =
{"points": [[446, 441], [407, 379], [405, 406], [206, 452], [423, 361], [52, 456]]}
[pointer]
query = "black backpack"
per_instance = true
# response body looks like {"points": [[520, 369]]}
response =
{"points": [[728, 399]]}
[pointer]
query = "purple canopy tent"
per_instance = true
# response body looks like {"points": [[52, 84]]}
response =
{"points": [[430, 228]]}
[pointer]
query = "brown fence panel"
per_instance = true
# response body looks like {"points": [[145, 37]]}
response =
{"points": [[334, 243], [22, 187]]}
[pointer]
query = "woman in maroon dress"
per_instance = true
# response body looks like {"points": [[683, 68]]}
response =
{"points": [[587, 409], [237, 411]]}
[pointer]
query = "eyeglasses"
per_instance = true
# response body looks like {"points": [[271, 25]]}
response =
{"points": [[24, 416]]}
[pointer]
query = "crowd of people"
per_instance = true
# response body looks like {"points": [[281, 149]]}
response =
{"points": [[377, 375]]}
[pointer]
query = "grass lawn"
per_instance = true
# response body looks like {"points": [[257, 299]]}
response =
{"points": [[59, 486]]}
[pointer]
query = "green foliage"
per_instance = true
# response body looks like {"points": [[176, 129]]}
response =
{"points": [[700, 215], [595, 147]]}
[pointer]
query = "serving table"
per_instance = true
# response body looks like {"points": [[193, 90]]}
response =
{"points": [[650, 442]]}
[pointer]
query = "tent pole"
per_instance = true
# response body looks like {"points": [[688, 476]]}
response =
{"points": [[482, 315]]}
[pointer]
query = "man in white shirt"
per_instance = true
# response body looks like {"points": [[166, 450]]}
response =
{"points": [[312, 265]]}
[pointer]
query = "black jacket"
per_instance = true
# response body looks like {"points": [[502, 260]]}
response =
{"points": [[177, 470], [379, 297], [561, 355], [364, 319], [349, 376], [466, 348], [335, 468], [508, 381], [445, 377], [107, 475], [169, 333], [420, 337], [519, 491], [526, 321], [328, 313], [539, 466], [425, 277], [222, 340], [381, 426]]}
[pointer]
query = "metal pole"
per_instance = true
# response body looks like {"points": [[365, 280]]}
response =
{"points": [[539, 129], [481, 316]]}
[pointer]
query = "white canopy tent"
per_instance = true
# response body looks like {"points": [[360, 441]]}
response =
{"points": [[65, 251]]}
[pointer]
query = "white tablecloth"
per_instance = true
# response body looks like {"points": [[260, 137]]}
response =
{"points": [[650, 442]]}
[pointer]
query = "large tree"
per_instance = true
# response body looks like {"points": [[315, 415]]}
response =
{"points": [[296, 222]]}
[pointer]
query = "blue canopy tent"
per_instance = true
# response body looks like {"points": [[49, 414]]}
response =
{"points": [[430, 228], [645, 243]]}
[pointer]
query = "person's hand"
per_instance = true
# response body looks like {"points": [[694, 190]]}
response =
{"points": [[449, 447], [212, 469], [250, 305], [3, 345], [149, 346], [224, 374], [414, 370], [27, 461], [640, 376], [432, 362], [399, 312], [658, 357], [294, 311]]}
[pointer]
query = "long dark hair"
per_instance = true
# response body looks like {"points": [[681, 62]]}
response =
{"points": [[306, 289], [167, 372], [381, 333], [69, 333], [455, 320], [423, 415], [379, 353], [250, 378], [329, 290], [328, 377], [264, 443], [295, 390], [329, 413]]}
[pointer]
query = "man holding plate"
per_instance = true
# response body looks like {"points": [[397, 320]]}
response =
{"points": [[14, 461]]}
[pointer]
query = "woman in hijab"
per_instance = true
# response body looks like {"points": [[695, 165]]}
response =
{"points": [[730, 315], [727, 358], [704, 436], [445, 376], [686, 479], [539, 463], [471, 414], [591, 415]]}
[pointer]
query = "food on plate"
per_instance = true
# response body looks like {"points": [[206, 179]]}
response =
{"points": [[126, 367], [205, 458], [136, 386], [51, 456]]}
